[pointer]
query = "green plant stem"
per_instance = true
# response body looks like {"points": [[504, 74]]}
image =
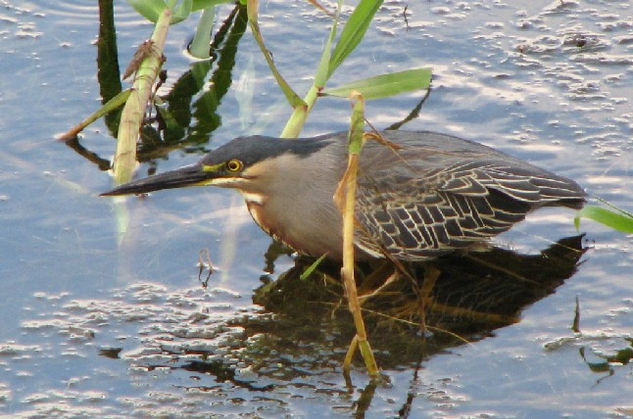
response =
{"points": [[108, 107], [134, 109], [200, 45], [300, 114], [347, 200], [293, 99]]}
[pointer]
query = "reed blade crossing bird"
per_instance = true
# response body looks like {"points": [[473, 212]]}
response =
{"points": [[426, 195]]}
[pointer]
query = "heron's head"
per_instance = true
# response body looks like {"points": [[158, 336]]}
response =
{"points": [[240, 164]]}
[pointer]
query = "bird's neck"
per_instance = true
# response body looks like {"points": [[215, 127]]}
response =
{"points": [[257, 209]]}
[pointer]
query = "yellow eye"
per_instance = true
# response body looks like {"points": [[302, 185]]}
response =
{"points": [[234, 165]]}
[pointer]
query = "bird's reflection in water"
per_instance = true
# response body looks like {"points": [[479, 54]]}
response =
{"points": [[412, 317]]}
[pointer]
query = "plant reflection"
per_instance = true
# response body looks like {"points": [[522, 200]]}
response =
{"points": [[606, 362], [185, 117]]}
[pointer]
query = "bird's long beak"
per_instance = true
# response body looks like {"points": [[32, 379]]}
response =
{"points": [[185, 176]]}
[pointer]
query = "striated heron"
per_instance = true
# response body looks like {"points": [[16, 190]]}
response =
{"points": [[424, 195]]}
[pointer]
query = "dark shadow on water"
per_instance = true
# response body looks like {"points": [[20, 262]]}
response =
{"points": [[222, 373]]}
